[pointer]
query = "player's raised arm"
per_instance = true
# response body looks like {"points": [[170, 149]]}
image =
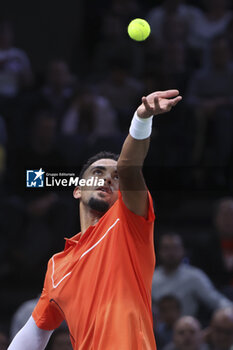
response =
{"points": [[135, 148]]}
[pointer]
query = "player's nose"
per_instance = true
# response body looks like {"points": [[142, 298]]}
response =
{"points": [[108, 179]]}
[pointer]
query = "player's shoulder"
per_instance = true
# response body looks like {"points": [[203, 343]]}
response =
{"points": [[57, 256], [128, 213]]}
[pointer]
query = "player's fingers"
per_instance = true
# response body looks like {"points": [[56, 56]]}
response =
{"points": [[172, 103], [146, 104], [156, 102], [176, 100], [167, 93]]}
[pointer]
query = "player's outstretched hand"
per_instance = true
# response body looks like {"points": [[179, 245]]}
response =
{"points": [[158, 102]]}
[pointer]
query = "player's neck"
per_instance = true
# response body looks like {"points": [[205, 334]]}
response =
{"points": [[88, 217]]}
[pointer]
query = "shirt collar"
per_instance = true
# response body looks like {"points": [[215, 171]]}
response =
{"points": [[72, 241], [75, 239]]}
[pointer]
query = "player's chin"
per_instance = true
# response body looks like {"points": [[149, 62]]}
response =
{"points": [[99, 204]]}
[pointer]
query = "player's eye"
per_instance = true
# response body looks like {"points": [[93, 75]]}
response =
{"points": [[116, 177], [97, 172]]}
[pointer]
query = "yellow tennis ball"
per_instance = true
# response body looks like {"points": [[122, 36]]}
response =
{"points": [[138, 29]]}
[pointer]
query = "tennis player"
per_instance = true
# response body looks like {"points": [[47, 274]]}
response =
{"points": [[101, 283]]}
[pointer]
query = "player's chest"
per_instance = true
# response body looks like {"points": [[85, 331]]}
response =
{"points": [[87, 259]]}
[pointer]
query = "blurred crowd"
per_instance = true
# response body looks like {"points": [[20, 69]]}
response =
{"points": [[60, 116]]}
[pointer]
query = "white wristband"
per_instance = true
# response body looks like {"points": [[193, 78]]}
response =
{"points": [[140, 128]]}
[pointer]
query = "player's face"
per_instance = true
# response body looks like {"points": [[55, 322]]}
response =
{"points": [[100, 197]]}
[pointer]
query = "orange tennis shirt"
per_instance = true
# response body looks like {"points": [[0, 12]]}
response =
{"points": [[101, 284]]}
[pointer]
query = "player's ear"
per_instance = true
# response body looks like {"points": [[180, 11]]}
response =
{"points": [[77, 192]]}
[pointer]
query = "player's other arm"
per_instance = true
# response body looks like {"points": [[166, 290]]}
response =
{"points": [[30, 337], [135, 148]]}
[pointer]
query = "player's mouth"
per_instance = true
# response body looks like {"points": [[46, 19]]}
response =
{"points": [[105, 189]]}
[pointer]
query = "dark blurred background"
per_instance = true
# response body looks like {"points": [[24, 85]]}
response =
{"points": [[70, 81]]}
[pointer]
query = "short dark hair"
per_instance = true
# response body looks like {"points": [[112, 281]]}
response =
{"points": [[93, 159]]}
